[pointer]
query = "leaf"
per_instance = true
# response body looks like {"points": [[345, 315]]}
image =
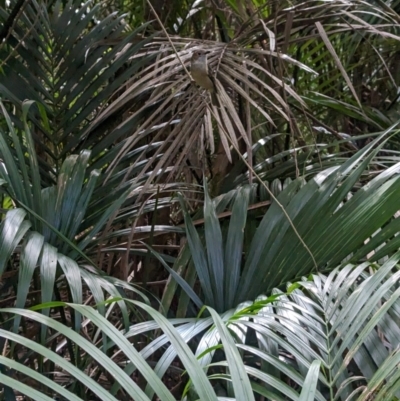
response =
{"points": [[310, 384], [240, 380]]}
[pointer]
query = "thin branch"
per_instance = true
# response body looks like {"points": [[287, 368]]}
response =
{"points": [[11, 20], [169, 40], [20, 41], [277, 202]]}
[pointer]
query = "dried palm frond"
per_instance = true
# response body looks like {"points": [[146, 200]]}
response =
{"points": [[180, 113]]}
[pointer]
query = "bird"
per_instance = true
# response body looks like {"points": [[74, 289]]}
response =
{"points": [[199, 71]]}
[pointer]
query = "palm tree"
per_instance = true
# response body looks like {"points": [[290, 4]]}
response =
{"points": [[299, 165]]}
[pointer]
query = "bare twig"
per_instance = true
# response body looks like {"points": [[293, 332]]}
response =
{"points": [[12, 19]]}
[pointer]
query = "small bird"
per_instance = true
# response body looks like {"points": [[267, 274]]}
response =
{"points": [[199, 71]]}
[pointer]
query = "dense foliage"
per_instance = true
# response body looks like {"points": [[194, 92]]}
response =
{"points": [[157, 246]]}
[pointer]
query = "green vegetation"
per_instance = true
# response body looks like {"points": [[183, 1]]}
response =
{"points": [[157, 246]]}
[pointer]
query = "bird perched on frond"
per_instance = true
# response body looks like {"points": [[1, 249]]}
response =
{"points": [[200, 74]]}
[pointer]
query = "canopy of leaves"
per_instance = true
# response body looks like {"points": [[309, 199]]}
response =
{"points": [[155, 245]]}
